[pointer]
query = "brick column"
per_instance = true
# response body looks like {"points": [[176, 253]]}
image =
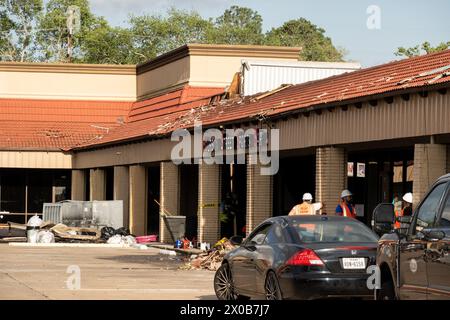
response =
{"points": [[331, 177], [209, 197], [97, 184], [170, 197], [259, 196], [78, 185], [121, 191], [138, 200], [430, 162]]}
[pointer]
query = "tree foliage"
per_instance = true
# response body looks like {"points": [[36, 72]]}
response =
{"points": [[18, 20], [302, 33], [32, 32], [424, 48]]}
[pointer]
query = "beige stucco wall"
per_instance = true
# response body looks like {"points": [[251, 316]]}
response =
{"points": [[165, 77], [218, 71], [26, 82]]}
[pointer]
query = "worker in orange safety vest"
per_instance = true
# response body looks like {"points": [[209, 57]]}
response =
{"points": [[405, 211], [345, 208], [305, 208]]}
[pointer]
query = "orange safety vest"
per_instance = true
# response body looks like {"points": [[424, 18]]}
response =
{"points": [[346, 212], [303, 209], [398, 213]]}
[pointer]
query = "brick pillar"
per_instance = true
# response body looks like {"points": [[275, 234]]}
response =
{"points": [[430, 162], [78, 185], [170, 197], [121, 191], [138, 200], [331, 177], [97, 184], [259, 196], [209, 197]]}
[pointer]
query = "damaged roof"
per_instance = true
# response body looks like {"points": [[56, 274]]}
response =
{"points": [[56, 124], [392, 77], [74, 125]]}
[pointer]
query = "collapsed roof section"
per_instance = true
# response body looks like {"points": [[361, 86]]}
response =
{"points": [[393, 78]]}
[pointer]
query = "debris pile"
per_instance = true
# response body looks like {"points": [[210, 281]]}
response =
{"points": [[212, 259]]}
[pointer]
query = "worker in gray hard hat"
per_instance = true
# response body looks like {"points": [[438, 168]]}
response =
{"points": [[345, 208], [305, 208]]}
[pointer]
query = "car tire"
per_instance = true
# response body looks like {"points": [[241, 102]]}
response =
{"points": [[223, 283], [272, 287], [387, 291]]}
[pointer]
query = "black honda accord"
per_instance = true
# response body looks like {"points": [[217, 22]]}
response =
{"points": [[299, 257]]}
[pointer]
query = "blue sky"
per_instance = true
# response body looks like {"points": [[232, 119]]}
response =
{"points": [[402, 22]]}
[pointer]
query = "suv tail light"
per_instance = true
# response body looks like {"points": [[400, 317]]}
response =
{"points": [[305, 257]]}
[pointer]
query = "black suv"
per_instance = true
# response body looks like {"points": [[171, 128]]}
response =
{"points": [[414, 260]]}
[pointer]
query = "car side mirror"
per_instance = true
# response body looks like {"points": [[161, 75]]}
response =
{"points": [[383, 218], [236, 240], [433, 235]]}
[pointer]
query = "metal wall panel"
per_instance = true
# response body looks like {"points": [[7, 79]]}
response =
{"points": [[401, 119], [261, 76], [35, 160]]}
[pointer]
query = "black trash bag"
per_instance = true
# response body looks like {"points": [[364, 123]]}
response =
{"points": [[123, 232], [107, 232]]}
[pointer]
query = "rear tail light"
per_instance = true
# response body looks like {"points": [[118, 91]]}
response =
{"points": [[305, 257]]}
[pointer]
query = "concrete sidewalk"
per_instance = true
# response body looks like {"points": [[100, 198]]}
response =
{"points": [[105, 273]]}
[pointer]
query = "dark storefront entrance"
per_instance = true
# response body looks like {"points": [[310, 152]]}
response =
{"points": [[234, 197], [23, 192], [295, 177], [153, 176], [379, 176], [189, 197]]}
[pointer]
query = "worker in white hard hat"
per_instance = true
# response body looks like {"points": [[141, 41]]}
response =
{"points": [[406, 210], [345, 207], [305, 208]]}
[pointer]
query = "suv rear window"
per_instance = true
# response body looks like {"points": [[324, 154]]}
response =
{"points": [[333, 231]]}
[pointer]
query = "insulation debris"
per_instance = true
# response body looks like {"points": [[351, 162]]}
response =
{"points": [[212, 259]]}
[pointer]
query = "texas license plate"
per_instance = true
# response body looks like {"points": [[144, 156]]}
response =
{"points": [[354, 263]]}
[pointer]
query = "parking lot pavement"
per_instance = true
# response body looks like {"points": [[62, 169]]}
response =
{"points": [[105, 273]]}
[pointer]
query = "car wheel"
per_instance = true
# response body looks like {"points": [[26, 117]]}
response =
{"points": [[272, 287], [223, 283], [387, 291]]}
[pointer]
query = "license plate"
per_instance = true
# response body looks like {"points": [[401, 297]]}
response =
{"points": [[354, 263]]}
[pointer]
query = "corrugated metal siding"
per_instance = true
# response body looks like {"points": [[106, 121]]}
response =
{"points": [[261, 78], [401, 119], [35, 160]]}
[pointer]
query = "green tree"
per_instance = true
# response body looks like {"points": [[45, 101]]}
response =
{"points": [[18, 23], [237, 25], [424, 48], [54, 39], [154, 35], [302, 33], [108, 45]]}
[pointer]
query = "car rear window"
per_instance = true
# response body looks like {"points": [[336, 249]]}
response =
{"points": [[333, 231]]}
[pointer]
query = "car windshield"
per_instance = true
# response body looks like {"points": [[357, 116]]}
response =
{"points": [[333, 231]]}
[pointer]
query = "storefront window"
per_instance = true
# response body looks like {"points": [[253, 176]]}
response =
{"points": [[62, 186], [12, 195], [39, 190]]}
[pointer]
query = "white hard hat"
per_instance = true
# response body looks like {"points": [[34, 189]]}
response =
{"points": [[346, 193], [408, 197], [307, 197]]}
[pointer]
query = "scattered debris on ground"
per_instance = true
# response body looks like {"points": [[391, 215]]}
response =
{"points": [[211, 259]]}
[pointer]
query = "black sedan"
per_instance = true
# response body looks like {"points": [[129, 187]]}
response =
{"points": [[299, 257]]}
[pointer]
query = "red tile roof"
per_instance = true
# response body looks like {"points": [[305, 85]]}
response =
{"points": [[390, 78], [55, 124]]}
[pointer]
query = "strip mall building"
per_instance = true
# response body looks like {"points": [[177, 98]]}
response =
{"points": [[97, 132]]}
